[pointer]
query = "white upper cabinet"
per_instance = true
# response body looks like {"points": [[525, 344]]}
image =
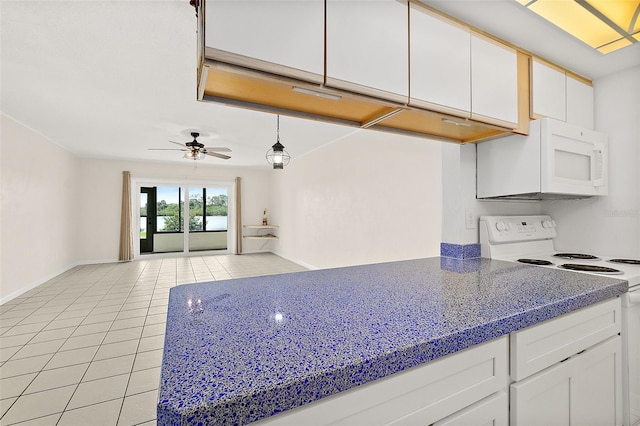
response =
{"points": [[579, 103], [287, 33], [440, 73], [367, 47], [556, 94], [494, 82], [548, 96]]}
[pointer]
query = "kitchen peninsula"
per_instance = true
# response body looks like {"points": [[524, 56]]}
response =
{"points": [[243, 350]]}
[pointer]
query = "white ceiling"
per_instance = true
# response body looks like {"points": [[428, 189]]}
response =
{"points": [[111, 79]]}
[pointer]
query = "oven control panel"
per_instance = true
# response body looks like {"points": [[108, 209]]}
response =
{"points": [[510, 229]]}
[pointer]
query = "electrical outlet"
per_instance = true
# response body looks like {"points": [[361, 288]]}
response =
{"points": [[469, 220]]}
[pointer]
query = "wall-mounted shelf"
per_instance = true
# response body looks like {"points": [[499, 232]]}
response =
{"points": [[262, 232]]}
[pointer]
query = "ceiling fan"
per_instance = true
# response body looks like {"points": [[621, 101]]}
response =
{"points": [[194, 150]]}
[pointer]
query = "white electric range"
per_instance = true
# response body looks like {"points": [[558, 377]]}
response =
{"points": [[529, 239]]}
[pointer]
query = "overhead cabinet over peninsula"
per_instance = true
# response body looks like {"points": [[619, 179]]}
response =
{"points": [[393, 65], [367, 47], [286, 37]]}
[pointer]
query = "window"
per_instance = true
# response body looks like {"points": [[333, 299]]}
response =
{"points": [[216, 209], [169, 216], [207, 209]]}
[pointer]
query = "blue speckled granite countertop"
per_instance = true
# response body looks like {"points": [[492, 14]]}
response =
{"points": [[237, 351]]}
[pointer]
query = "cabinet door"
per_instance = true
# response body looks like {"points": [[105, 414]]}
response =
{"points": [[548, 97], [286, 33], [579, 103], [596, 389], [585, 389], [440, 66], [494, 82], [368, 47], [542, 399]]}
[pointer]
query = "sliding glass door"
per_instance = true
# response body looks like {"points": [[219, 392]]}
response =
{"points": [[163, 214]]}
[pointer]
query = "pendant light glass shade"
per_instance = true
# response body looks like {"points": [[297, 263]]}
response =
{"points": [[277, 155]]}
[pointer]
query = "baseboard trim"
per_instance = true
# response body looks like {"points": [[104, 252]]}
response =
{"points": [[34, 284], [299, 262]]}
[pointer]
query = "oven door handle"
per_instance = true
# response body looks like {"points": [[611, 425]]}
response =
{"points": [[634, 298]]}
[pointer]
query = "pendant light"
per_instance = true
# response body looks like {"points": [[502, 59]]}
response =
{"points": [[277, 156]]}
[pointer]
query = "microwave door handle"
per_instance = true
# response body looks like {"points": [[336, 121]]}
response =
{"points": [[598, 166]]}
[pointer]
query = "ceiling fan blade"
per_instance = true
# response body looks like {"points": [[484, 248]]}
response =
{"points": [[178, 143], [166, 149], [215, 154], [217, 148]]}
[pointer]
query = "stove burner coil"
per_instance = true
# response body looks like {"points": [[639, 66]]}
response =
{"points": [[591, 268], [535, 262], [626, 261], [577, 256]]}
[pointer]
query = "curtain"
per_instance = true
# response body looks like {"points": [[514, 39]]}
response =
{"points": [[238, 217], [126, 233]]}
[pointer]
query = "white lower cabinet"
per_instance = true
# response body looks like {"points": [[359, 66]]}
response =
{"points": [[422, 395], [567, 371], [564, 371], [583, 390]]}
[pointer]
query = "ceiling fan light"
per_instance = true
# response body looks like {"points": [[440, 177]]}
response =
{"points": [[194, 154]]}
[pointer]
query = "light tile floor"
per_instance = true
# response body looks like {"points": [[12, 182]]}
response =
{"points": [[85, 348]]}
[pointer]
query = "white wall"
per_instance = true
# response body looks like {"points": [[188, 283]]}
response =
{"points": [[459, 196], [101, 190], [39, 220], [369, 197], [609, 225]]}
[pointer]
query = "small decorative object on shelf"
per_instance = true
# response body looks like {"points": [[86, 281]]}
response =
{"points": [[264, 218]]}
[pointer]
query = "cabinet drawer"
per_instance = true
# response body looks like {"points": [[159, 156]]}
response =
{"points": [[423, 394], [493, 410], [540, 346]]}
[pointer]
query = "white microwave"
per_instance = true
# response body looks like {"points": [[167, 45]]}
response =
{"points": [[556, 160]]}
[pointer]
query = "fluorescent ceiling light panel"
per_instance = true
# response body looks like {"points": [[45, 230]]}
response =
{"points": [[605, 25]]}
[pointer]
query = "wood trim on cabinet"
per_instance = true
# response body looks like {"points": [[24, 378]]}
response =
{"points": [[524, 93], [260, 91]]}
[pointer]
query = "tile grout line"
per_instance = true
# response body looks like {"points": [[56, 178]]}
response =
{"points": [[134, 281], [101, 343], [57, 351], [155, 285], [43, 367]]}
